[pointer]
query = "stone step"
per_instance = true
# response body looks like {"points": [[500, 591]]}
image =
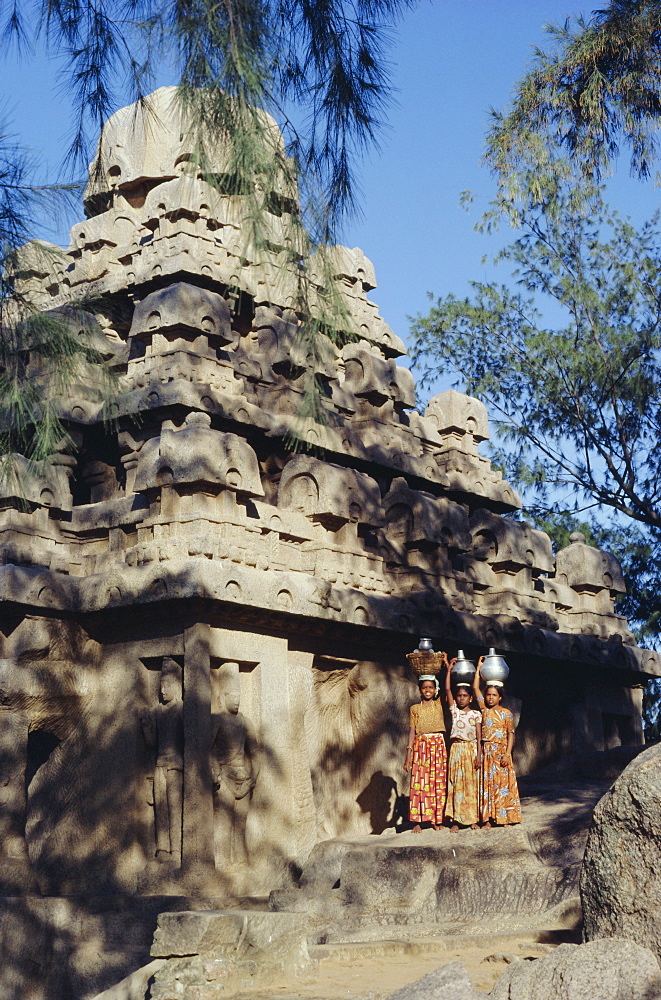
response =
{"points": [[356, 950], [433, 876]]}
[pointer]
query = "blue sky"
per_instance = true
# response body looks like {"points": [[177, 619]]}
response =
{"points": [[452, 60]]}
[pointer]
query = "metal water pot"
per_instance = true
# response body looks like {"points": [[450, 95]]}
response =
{"points": [[463, 670], [494, 667], [426, 646]]}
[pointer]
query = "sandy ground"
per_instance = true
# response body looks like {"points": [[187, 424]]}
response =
{"points": [[374, 978]]}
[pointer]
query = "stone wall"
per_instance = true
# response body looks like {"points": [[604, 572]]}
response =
{"points": [[203, 632]]}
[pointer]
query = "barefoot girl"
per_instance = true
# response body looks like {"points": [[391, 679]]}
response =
{"points": [[499, 794], [465, 756], [426, 757]]}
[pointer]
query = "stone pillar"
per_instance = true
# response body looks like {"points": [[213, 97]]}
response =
{"points": [[198, 830], [16, 876], [13, 763], [303, 734], [283, 738]]}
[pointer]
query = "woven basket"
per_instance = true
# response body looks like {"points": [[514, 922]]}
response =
{"points": [[425, 663]]}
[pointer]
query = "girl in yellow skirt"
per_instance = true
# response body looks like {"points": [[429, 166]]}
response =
{"points": [[426, 757], [499, 794], [465, 756]]}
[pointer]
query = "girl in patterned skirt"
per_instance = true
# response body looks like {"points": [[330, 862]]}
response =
{"points": [[465, 756], [426, 757], [499, 793]]}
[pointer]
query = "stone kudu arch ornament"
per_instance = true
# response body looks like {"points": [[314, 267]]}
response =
{"points": [[185, 533]]}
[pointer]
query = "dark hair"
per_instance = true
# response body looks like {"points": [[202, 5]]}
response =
{"points": [[495, 687], [469, 692]]}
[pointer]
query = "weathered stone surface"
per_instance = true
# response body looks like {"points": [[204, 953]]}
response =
{"points": [[183, 307], [418, 520], [450, 982], [615, 969], [587, 569], [214, 953], [329, 494], [61, 949], [621, 875], [146, 143], [452, 412], [197, 454], [510, 545], [441, 880], [434, 877], [276, 937]]}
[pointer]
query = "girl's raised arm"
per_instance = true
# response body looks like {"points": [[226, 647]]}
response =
{"points": [[448, 690], [476, 683]]}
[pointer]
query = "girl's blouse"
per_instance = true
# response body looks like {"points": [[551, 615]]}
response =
{"points": [[427, 717], [497, 723], [464, 724]]}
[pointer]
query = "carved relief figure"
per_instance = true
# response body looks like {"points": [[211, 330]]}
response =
{"points": [[356, 717], [235, 763], [164, 732]]}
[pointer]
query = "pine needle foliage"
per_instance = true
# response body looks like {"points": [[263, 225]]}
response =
{"points": [[597, 90], [30, 395], [319, 67]]}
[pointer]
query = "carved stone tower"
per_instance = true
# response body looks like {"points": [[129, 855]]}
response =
{"points": [[203, 632]]}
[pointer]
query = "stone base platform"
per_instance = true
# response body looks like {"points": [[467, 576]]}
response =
{"points": [[358, 898], [362, 898], [232, 955], [473, 879], [431, 878]]}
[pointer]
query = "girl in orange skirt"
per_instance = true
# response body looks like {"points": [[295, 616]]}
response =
{"points": [[426, 757], [499, 795], [465, 757]]}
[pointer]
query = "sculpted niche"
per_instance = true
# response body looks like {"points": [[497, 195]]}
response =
{"points": [[235, 768], [164, 735]]}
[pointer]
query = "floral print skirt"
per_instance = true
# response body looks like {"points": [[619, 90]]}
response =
{"points": [[463, 783], [499, 794], [428, 779]]}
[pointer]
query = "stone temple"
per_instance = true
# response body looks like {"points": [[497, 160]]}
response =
{"points": [[202, 631]]}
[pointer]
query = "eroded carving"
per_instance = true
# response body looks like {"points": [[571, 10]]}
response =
{"points": [[236, 765], [164, 734], [329, 493], [197, 454]]}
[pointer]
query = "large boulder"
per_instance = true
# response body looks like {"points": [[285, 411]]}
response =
{"points": [[599, 970], [448, 982], [620, 881]]}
